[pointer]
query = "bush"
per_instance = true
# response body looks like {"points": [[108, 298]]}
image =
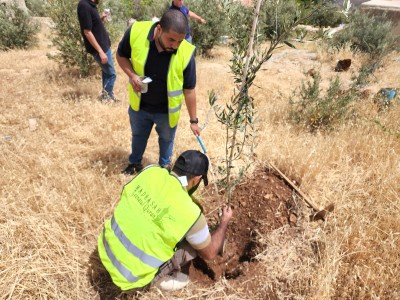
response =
{"points": [[38, 8], [67, 37], [67, 33], [277, 19], [17, 30], [312, 111], [206, 36], [239, 22], [367, 34], [150, 8], [325, 14]]}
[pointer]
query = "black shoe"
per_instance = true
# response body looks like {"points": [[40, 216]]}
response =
{"points": [[132, 169], [166, 166], [106, 98]]}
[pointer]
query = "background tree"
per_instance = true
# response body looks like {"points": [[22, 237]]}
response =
{"points": [[38, 8], [206, 36], [17, 29], [67, 37]]}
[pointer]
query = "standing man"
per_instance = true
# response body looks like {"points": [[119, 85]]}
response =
{"points": [[178, 5], [97, 42], [159, 51], [156, 228]]}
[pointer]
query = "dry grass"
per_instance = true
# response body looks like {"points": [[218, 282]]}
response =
{"points": [[60, 181]]}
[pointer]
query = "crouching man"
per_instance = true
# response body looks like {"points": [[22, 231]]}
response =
{"points": [[156, 227]]}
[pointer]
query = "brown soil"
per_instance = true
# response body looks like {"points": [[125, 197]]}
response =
{"points": [[261, 204]]}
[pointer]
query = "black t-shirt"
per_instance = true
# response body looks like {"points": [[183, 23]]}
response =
{"points": [[90, 19], [156, 67]]}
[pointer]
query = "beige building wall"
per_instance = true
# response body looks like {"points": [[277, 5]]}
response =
{"points": [[390, 7]]}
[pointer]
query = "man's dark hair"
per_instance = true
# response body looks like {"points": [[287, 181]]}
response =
{"points": [[174, 20]]}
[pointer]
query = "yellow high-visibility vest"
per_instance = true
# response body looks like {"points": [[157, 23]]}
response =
{"points": [[140, 46], [154, 214]]}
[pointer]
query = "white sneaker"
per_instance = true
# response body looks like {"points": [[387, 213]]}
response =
{"points": [[173, 282]]}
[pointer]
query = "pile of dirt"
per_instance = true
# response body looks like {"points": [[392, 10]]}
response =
{"points": [[261, 204]]}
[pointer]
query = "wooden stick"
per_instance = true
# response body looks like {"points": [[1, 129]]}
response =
{"points": [[305, 197]]}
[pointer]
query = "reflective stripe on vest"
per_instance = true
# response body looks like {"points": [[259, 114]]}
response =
{"points": [[148, 223], [146, 259], [121, 268], [140, 48]]}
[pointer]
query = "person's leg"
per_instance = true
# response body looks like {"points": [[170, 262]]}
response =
{"points": [[141, 125], [166, 136], [108, 74], [182, 257]]}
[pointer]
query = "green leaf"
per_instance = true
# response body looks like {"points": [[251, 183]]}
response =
{"points": [[290, 44]]}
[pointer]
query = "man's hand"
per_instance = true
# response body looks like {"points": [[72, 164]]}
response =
{"points": [[103, 57], [226, 214], [136, 83], [103, 16], [195, 128], [218, 236]]}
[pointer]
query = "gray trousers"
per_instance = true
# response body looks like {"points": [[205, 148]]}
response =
{"points": [[182, 257]]}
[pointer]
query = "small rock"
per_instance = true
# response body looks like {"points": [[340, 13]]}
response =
{"points": [[292, 218], [312, 73], [343, 65], [32, 124], [268, 196]]}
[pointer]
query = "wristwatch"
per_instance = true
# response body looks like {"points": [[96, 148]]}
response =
{"points": [[195, 121]]}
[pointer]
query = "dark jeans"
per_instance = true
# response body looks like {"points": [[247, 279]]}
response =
{"points": [[142, 123], [108, 73]]}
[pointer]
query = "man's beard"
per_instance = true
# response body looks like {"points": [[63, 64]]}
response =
{"points": [[169, 50], [194, 188]]}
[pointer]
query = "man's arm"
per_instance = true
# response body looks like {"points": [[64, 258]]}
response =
{"points": [[217, 237], [190, 100], [126, 66], [196, 17], [92, 40]]}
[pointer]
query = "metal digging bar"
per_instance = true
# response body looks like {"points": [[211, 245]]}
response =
{"points": [[319, 214], [210, 164]]}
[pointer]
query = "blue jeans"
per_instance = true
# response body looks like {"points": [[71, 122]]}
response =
{"points": [[141, 125], [108, 73]]}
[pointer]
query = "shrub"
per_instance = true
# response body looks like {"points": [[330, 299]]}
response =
{"points": [[67, 37], [37, 8], [239, 22], [150, 8], [17, 30], [314, 111], [67, 34], [367, 34], [206, 36], [278, 19], [325, 14]]}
